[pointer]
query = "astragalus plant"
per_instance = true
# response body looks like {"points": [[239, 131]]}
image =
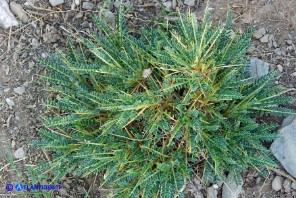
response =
{"points": [[148, 110]]}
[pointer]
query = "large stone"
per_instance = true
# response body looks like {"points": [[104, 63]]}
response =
{"points": [[7, 19], [284, 147], [258, 67], [231, 188], [18, 10]]}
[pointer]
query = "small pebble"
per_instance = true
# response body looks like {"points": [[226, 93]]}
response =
{"points": [[56, 2], [43, 55], [19, 153], [278, 51], [13, 144], [127, 4], [264, 39], [85, 24], [34, 42], [109, 16], [289, 42], [277, 183], [287, 185], [215, 186], [9, 102], [19, 90], [34, 25], [232, 34], [290, 48], [211, 192], [17, 116], [293, 74], [259, 33], [18, 10], [77, 2], [197, 183], [250, 49], [293, 185], [88, 5], [146, 73], [66, 185], [258, 180], [174, 4], [189, 2], [280, 68], [116, 4], [168, 5], [79, 15]]}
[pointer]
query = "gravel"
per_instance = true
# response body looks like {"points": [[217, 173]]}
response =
{"points": [[277, 183]]}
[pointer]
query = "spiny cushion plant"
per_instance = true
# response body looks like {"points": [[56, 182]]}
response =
{"points": [[149, 110]]}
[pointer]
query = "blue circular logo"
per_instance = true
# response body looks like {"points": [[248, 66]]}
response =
{"points": [[19, 187], [9, 187]]}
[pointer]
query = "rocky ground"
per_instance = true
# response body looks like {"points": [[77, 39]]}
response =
{"points": [[40, 26]]}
